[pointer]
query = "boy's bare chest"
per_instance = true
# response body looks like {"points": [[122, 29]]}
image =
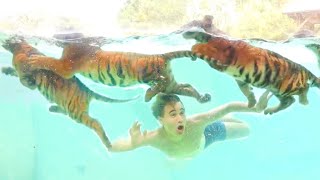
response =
{"points": [[189, 144]]}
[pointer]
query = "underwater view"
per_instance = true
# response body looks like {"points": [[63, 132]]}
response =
{"points": [[187, 92]]}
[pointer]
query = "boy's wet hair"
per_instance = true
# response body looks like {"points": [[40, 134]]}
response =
{"points": [[161, 101]]}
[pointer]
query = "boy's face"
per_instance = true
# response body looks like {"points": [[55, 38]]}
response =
{"points": [[174, 118]]}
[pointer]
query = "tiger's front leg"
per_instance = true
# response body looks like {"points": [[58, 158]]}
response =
{"points": [[159, 84], [188, 90], [152, 91], [61, 67], [284, 103], [246, 90]]}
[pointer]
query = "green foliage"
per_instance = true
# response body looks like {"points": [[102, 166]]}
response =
{"points": [[221, 10], [152, 13], [30, 23], [24, 21], [262, 19], [238, 18]]}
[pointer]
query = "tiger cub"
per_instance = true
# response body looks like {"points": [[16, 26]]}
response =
{"points": [[120, 69], [255, 66], [71, 96]]}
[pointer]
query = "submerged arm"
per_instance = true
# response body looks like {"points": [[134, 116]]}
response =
{"points": [[219, 112], [121, 145]]}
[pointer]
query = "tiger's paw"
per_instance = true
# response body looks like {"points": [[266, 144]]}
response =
{"points": [[8, 70], [56, 109], [270, 111], [205, 98]]}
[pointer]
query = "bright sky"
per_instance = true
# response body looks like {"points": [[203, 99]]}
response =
{"points": [[63, 7], [98, 16], [95, 13], [299, 5]]}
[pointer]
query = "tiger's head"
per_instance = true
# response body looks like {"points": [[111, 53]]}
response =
{"points": [[21, 50], [17, 45], [212, 48], [11, 44]]}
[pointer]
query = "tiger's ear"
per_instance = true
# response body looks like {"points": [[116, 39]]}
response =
{"points": [[229, 52]]}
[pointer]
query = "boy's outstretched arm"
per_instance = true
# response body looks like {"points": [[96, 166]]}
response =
{"points": [[217, 113]]}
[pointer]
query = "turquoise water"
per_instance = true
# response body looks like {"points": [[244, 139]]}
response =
{"points": [[39, 145]]}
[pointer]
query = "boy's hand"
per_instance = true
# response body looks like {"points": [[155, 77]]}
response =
{"points": [[136, 135]]}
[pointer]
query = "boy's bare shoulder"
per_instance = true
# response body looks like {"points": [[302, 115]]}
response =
{"points": [[156, 139], [152, 137]]}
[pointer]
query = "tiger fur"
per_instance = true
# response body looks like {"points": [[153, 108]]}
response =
{"points": [[255, 66], [120, 69], [71, 95]]}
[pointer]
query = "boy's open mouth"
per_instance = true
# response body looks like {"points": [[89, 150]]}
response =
{"points": [[180, 128]]}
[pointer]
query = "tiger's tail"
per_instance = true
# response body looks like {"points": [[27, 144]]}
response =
{"points": [[101, 97], [315, 48], [199, 36], [179, 54], [315, 81]]}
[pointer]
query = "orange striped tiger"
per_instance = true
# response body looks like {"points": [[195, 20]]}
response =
{"points": [[120, 69], [71, 96], [256, 66]]}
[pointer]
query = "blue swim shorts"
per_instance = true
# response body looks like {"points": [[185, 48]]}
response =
{"points": [[215, 132]]}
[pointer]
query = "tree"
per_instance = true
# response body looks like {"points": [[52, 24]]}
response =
{"points": [[262, 19], [152, 13]]}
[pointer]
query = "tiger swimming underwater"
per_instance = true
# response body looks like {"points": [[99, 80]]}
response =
{"points": [[255, 66], [120, 69], [71, 96]]}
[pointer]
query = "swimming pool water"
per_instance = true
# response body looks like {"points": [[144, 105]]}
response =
{"points": [[37, 144]]}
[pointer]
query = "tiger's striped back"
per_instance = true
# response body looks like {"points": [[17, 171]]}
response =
{"points": [[126, 68], [256, 66], [273, 71]]}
